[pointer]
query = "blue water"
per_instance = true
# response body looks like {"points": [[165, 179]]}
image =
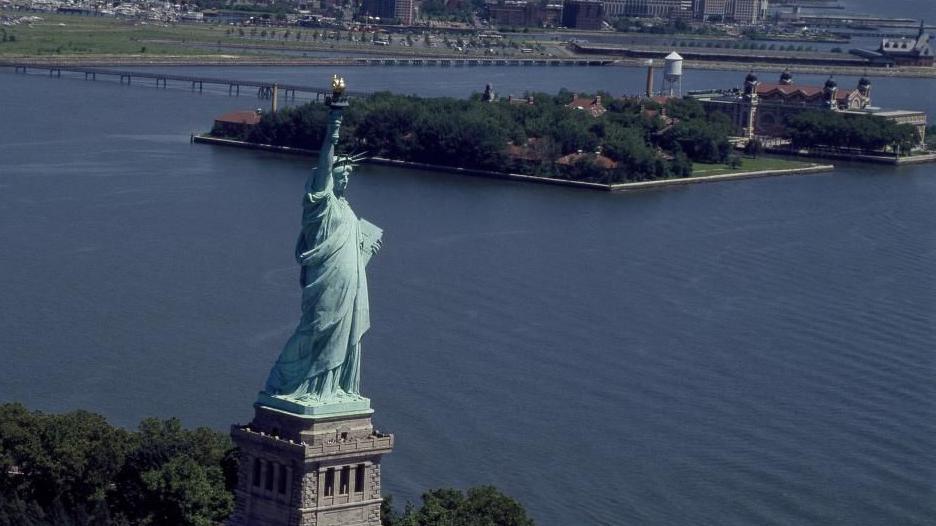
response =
{"points": [[917, 9], [437, 81], [755, 352]]}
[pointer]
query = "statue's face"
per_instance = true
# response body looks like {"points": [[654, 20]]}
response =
{"points": [[341, 175]]}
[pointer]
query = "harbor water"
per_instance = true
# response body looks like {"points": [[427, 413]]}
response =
{"points": [[753, 352]]}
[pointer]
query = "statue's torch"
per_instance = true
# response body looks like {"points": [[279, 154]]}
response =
{"points": [[337, 100]]}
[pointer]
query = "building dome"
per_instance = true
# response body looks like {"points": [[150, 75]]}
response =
{"points": [[864, 82], [751, 77], [830, 84], [786, 77]]}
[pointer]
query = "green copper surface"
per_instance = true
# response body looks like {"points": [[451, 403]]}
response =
{"points": [[344, 406], [319, 369]]}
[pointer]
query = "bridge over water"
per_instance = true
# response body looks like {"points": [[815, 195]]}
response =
{"points": [[264, 89], [288, 91]]}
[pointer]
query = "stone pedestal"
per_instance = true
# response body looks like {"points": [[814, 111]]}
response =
{"points": [[308, 470]]}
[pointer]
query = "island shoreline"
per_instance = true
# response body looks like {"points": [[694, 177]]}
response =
{"points": [[614, 187]]}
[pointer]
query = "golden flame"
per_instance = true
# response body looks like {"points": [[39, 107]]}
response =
{"points": [[337, 85]]}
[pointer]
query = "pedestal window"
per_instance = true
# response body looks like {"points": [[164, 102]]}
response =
{"points": [[345, 480], [330, 482], [359, 478]]}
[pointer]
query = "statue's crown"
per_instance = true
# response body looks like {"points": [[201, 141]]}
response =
{"points": [[351, 160]]}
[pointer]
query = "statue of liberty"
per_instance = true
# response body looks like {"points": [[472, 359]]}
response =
{"points": [[321, 363]]}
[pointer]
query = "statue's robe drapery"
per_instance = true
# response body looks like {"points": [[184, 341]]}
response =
{"points": [[322, 357]]}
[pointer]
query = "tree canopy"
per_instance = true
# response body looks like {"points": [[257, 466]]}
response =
{"points": [[76, 469], [538, 134], [479, 506], [838, 130]]}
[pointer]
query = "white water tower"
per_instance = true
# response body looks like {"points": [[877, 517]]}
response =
{"points": [[672, 74]]}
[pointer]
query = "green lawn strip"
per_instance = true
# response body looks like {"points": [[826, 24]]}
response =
{"points": [[86, 35], [748, 164], [75, 35]]}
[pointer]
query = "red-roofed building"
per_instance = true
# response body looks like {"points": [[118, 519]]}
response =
{"points": [[236, 122], [763, 108], [808, 95], [601, 161], [590, 104]]}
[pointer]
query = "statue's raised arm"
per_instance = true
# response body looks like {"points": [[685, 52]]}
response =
{"points": [[322, 178]]}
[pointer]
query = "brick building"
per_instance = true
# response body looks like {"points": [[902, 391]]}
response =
{"points": [[583, 14], [762, 109], [523, 13]]}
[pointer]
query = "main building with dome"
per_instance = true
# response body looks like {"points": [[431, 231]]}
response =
{"points": [[761, 109]]}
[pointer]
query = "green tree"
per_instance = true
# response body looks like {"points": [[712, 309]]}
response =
{"points": [[481, 506], [76, 469], [754, 148]]}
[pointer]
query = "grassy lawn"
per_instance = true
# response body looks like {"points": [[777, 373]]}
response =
{"points": [[748, 164], [80, 35], [66, 35]]}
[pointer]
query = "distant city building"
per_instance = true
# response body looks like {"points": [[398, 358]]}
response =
{"points": [[762, 109], [383, 9], [583, 14], [747, 12], [711, 9], [648, 8], [522, 13], [404, 11], [909, 51]]}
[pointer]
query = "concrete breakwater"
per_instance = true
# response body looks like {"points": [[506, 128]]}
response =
{"points": [[856, 157], [608, 187]]}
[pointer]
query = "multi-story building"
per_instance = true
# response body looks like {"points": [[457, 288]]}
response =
{"points": [[378, 8], [711, 9], [648, 8], [762, 109], [748, 11], [522, 13], [583, 14], [404, 11], [740, 11]]}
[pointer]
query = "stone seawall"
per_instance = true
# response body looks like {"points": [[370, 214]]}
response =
{"points": [[615, 187]]}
